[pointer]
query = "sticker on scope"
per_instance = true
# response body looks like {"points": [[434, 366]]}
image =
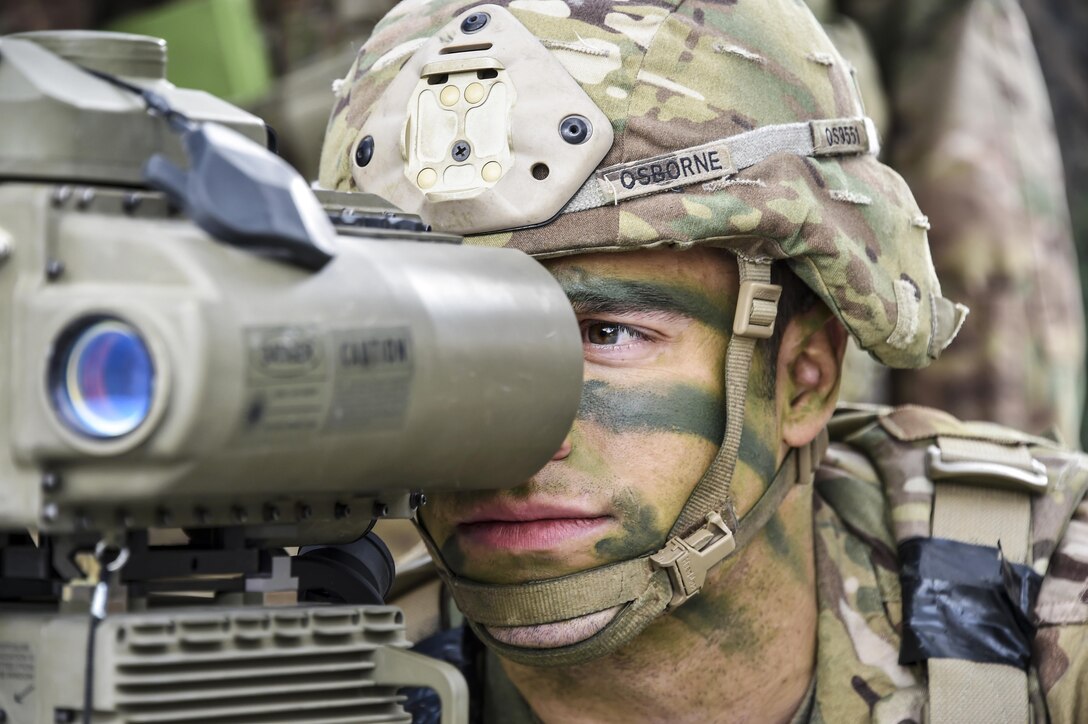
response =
{"points": [[287, 380], [17, 664], [373, 378]]}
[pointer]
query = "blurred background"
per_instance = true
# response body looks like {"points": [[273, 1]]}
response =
{"points": [[1060, 28], [278, 59]]}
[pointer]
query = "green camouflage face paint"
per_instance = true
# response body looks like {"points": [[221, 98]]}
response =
{"points": [[593, 294], [756, 450], [716, 617], [453, 556], [678, 408], [641, 530]]}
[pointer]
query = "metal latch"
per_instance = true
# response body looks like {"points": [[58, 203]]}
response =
{"points": [[687, 560], [986, 472]]}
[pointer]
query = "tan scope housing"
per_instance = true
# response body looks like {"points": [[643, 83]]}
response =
{"points": [[276, 395]]}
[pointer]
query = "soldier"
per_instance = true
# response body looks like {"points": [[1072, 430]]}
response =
{"points": [[675, 560]]}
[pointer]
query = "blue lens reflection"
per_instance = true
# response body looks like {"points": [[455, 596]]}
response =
{"points": [[108, 380]]}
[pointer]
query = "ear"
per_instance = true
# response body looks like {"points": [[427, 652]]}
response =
{"points": [[808, 372]]}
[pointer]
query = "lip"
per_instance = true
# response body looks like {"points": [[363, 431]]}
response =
{"points": [[530, 526]]}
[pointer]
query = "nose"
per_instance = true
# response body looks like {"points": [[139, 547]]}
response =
{"points": [[564, 449]]}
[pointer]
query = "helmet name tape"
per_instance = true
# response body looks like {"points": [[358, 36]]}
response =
{"points": [[669, 170], [723, 158]]}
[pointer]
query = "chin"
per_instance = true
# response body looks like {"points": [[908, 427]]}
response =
{"points": [[554, 635]]}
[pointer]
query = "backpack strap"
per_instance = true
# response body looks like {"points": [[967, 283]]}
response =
{"points": [[982, 496], [971, 551]]}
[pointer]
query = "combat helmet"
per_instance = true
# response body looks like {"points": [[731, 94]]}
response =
{"points": [[561, 127]]}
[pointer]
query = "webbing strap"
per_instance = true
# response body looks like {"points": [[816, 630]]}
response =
{"points": [[713, 492], [960, 690], [967, 691], [553, 599], [723, 158], [627, 624], [985, 517]]}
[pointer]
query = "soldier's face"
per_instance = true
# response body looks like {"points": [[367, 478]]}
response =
{"points": [[655, 325]]}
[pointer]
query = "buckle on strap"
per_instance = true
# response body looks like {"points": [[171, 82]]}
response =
{"points": [[687, 560], [757, 307], [1004, 467]]}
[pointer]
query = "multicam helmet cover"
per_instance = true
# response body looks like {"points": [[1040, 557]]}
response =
{"points": [[732, 124]]}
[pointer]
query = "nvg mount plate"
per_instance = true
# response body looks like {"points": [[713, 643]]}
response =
{"points": [[483, 129]]}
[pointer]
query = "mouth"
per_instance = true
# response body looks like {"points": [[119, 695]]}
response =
{"points": [[531, 526]]}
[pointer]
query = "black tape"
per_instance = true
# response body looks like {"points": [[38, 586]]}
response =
{"points": [[963, 601]]}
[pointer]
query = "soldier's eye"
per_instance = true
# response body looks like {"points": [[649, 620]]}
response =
{"points": [[610, 334]]}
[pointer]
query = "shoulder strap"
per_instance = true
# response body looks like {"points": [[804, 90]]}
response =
{"points": [[982, 496], [983, 479]]}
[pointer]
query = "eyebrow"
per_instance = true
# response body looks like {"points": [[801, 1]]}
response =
{"points": [[593, 294]]}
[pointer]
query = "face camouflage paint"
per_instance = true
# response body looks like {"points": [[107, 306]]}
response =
{"points": [[594, 294], [678, 408]]}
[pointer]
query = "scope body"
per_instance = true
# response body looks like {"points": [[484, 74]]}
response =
{"points": [[156, 376], [399, 366]]}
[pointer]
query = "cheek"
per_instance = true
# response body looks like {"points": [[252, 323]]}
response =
{"points": [[658, 470], [760, 442], [653, 442], [639, 444]]}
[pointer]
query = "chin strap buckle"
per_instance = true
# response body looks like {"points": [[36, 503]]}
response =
{"points": [[687, 560], [757, 307]]}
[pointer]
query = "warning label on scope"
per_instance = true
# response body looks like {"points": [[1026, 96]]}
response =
{"points": [[16, 662], [373, 378], [287, 378]]}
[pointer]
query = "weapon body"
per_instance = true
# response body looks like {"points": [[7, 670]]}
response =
{"points": [[204, 363]]}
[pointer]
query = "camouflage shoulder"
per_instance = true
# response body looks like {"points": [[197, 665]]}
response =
{"points": [[912, 423], [879, 479], [858, 677], [1061, 644], [906, 445]]}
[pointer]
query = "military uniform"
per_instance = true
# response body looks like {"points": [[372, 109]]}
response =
{"points": [[794, 181], [956, 90]]}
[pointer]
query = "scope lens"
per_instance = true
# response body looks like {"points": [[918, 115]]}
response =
{"points": [[103, 382]]}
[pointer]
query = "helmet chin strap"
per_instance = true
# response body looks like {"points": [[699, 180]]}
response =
{"points": [[705, 533]]}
